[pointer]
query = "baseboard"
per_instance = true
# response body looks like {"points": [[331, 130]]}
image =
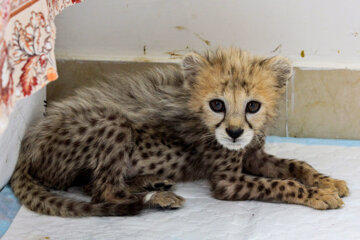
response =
{"points": [[319, 103]]}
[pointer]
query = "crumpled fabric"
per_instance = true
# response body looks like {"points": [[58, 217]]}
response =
{"points": [[27, 39]]}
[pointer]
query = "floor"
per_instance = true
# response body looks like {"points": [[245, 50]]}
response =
{"points": [[206, 218]]}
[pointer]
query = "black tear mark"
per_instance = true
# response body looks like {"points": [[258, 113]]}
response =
{"points": [[218, 125], [251, 127]]}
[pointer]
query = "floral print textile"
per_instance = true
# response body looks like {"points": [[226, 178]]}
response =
{"points": [[27, 39]]}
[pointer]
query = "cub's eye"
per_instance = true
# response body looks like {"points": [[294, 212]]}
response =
{"points": [[253, 107], [217, 105]]}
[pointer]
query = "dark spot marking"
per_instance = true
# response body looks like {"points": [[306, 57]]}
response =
{"points": [[112, 162], [152, 166], [110, 133], [93, 122], [223, 176], [261, 187], [85, 149], [232, 179], [120, 194], [109, 149], [121, 154], [82, 130], [174, 165], [274, 184], [310, 193], [250, 185], [76, 144], [267, 191], [245, 196], [112, 117], [291, 167], [90, 139], [67, 142], [101, 131]]}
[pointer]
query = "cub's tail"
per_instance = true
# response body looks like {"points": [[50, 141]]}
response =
{"points": [[37, 198]]}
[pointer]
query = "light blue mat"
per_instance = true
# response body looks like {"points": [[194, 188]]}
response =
{"points": [[9, 206], [314, 141]]}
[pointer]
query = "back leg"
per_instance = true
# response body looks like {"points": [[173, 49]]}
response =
{"points": [[145, 183], [108, 184]]}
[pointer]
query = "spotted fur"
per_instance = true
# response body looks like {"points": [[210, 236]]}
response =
{"points": [[129, 139]]}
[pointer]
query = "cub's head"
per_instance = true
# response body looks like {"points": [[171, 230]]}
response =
{"points": [[235, 93]]}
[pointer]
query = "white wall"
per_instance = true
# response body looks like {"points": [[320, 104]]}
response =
{"points": [[328, 31], [25, 112]]}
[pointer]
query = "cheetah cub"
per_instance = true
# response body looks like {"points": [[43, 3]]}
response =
{"points": [[128, 140]]}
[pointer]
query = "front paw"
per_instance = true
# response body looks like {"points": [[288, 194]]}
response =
{"points": [[336, 185], [165, 200], [322, 199]]}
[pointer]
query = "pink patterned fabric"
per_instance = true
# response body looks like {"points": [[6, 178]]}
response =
{"points": [[27, 39]]}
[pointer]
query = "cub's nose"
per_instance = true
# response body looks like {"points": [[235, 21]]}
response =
{"points": [[234, 133]]}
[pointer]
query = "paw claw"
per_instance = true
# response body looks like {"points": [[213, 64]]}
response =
{"points": [[336, 185], [325, 199]]}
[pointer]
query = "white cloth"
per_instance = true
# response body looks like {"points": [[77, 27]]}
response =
{"points": [[206, 218]]}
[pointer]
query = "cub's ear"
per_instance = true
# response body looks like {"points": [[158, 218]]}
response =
{"points": [[192, 64], [282, 69]]}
